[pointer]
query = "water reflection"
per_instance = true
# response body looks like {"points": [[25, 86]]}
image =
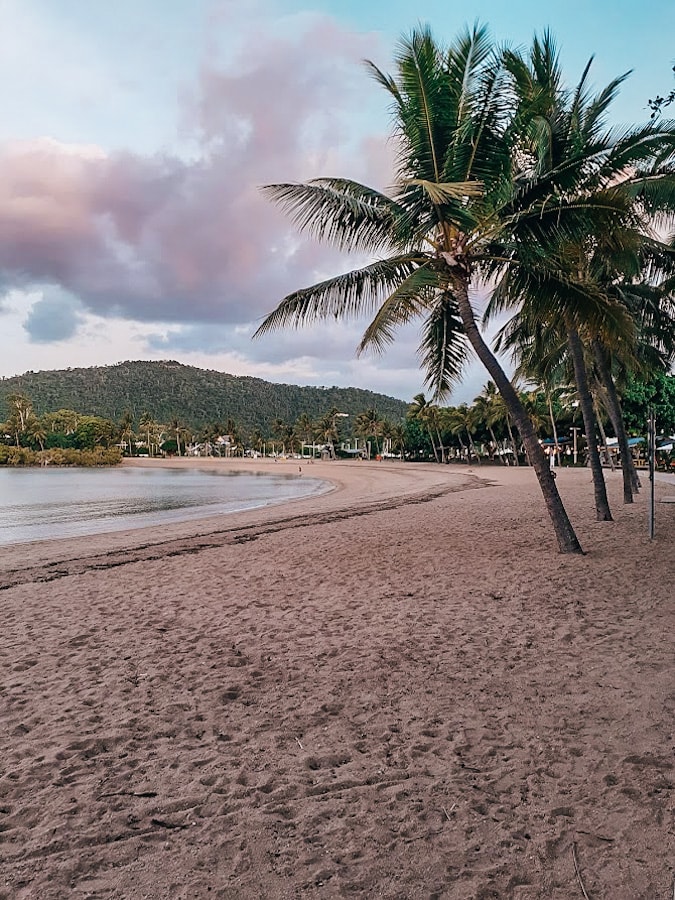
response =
{"points": [[39, 504]]}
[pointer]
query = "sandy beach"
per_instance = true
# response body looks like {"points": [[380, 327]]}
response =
{"points": [[396, 689]]}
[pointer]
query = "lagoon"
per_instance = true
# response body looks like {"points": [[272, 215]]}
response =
{"points": [[41, 504]]}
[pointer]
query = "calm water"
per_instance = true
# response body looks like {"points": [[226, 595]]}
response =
{"points": [[38, 504]]}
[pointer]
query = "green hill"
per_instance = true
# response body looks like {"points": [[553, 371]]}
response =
{"points": [[197, 397]]}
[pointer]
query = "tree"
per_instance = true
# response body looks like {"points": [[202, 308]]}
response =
{"points": [[64, 420], [304, 429], [615, 183], [656, 391], [256, 440], [20, 417], [422, 410], [464, 419], [126, 430], [178, 432], [482, 406], [369, 424], [397, 435], [95, 431], [147, 425], [283, 433], [37, 432], [327, 429], [459, 208]]}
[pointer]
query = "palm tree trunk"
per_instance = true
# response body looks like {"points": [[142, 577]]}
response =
{"points": [[440, 444], [602, 510], [553, 426], [603, 435], [496, 443], [567, 539], [461, 445], [516, 461], [631, 482], [473, 447], [433, 446]]}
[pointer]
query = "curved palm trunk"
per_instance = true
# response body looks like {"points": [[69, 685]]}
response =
{"points": [[603, 436], [473, 447], [440, 445], [462, 448], [602, 510], [553, 426], [433, 446], [496, 444], [631, 482], [567, 539], [516, 461]]}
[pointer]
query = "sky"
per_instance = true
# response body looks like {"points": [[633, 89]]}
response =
{"points": [[134, 139]]}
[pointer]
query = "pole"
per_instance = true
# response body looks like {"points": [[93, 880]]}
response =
{"points": [[574, 431], [651, 445]]}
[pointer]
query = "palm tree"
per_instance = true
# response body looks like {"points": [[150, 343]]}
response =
{"points": [[327, 429], [147, 424], [303, 429], [37, 431], [459, 208], [616, 182], [126, 429], [463, 418], [256, 439], [484, 406], [651, 303], [423, 411], [396, 435], [369, 424], [283, 432], [177, 429], [499, 415]]}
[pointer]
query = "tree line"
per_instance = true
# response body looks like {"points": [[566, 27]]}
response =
{"points": [[480, 432], [196, 396]]}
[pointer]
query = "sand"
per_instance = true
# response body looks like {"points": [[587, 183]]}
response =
{"points": [[399, 689]]}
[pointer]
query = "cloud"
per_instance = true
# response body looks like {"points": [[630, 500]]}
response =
{"points": [[160, 238], [53, 318]]}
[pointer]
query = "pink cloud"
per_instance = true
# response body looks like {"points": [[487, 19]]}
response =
{"points": [[157, 238]]}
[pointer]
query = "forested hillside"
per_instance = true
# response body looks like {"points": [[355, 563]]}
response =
{"points": [[197, 397]]}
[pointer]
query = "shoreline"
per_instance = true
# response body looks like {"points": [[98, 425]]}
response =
{"points": [[351, 484], [354, 488]]}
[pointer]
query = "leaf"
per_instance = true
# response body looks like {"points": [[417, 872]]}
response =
{"points": [[440, 193]]}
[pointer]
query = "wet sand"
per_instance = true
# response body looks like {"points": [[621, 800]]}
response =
{"points": [[397, 689]]}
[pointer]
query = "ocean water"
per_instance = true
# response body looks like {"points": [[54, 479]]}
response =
{"points": [[41, 504]]}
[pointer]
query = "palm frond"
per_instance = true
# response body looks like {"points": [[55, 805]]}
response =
{"points": [[410, 299], [444, 347], [341, 212], [592, 118], [445, 192], [421, 82], [387, 82], [351, 295]]}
